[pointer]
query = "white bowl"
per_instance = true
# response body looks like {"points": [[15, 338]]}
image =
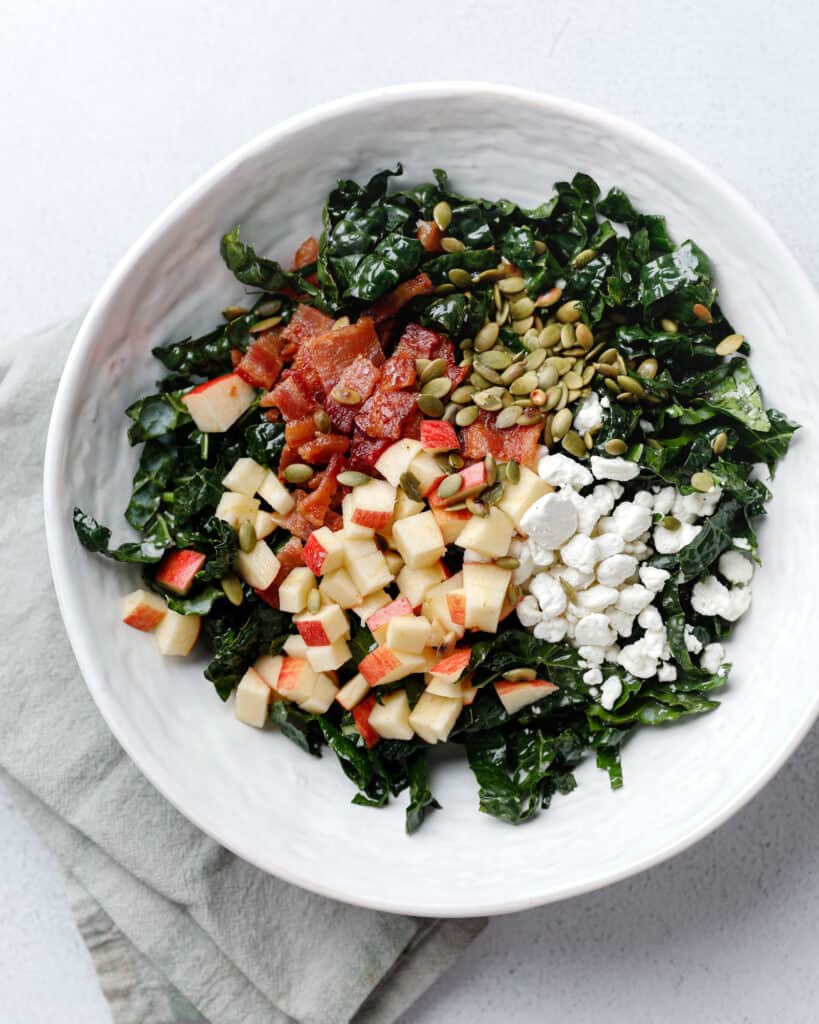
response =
{"points": [[254, 791]]}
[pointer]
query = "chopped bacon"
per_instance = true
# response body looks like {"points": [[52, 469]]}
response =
{"points": [[262, 363], [314, 507], [298, 431], [330, 353], [290, 554], [429, 235], [322, 447], [366, 451], [295, 522], [411, 426], [306, 322], [295, 396], [334, 521], [384, 414], [397, 373], [418, 342], [518, 443], [306, 254], [393, 302], [271, 595], [362, 376], [287, 458]]}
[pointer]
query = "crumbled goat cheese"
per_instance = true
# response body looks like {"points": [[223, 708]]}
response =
{"points": [[647, 426], [528, 611], [551, 520], [742, 542], [588, 415], [613, 469], [610, 692], [645, 499], [634, 598], [580, 553], [650, 618], [594, 629], [608, 544], [653, 579], [631, 520], [710, 597], [620, 621], [691, 640], [593, 677], [669, 542], [616, 569], [614, 488], [549, 594], [639, 658], [597, 598], [664, 500], [559, 470], [667, 673], [541, 556], [592, 654], [551, 630], [736, 568], [712, 658]]}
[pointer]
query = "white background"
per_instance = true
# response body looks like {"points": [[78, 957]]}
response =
{"points": [[110, 108]]}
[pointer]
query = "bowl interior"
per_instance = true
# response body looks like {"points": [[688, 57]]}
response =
{"points": [[254, 791]]}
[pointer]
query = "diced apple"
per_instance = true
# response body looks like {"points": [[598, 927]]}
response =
{"points": [[442, 688], [433, 717], [294, 589], [396, 460], [295, 647], [439, 436], [371, 603], [451, 667], [473, 480], [451, 522], [277, 496], [426, 471], [383, 665], [468, 691], [408, 633], [390, 718], [217, 404], [176, 634], [518, 497], [330, 657], [372, 504], [382, 616], [438, 633], [269, 668], [489, 535], [405, 506], [456, 603], [436, 604], [367, 566], [323, 695], [245, 477], [485, 586], [252, 699], [265, 524], [353, 692], [235, 509], [419, 540], [354, 531], [361, 717], [143, 610], [395, 563], [324, 551], [338, 587], [415, 584], [259, 567], [318, 629], [515, 696], [177, 570], [296, 679]]}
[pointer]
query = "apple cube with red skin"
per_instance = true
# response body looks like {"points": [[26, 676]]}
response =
{"points": [[361, 717], [177, 570], [456, 602], [489, 535], [407, 633], [367, 566], [443, 688], [269, 667], [371, 603], [436, 604], [451, 522], [330, 657], [415, 584], [515, 696], [391, 718], [485, 586], [418, 540], [372, 504], [176, 634], [383, 666], [296, 679], [406, 506], [277, 496], [473, 479], [433, 717], [439, 436], [318, 629], [452, 667], [353, 692], [258, 567], [143, 610], [245, 477], [294, 646], [426, 471], [322, 696], [253, 697], [396, 460], [294, 589], [354, 531], [324, 551], [217, 404], [338, 587], [518, 497], [380, 617], [468, 691]]}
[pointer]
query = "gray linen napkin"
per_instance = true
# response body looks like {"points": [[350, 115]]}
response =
{"points": [[240, 945]]}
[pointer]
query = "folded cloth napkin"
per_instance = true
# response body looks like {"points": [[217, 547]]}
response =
{"points": [[240, 945]]}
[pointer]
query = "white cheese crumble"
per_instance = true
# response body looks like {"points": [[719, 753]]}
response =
{"points": [[613, 469], [736, 568], [559, 469], [712, 658], [710, 597], [588, 415], [610, 692], [551, 520]]}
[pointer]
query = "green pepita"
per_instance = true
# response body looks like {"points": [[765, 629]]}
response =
{"points": [[496, 359], [477, 508], [648, 368], [513, 471], [521, 308], [702, 482], [411, 486], [561, 424], [264, 325], [486, 337], [232, 589], [529, 417], [450, 244], [490, 375], [456, 461], [507, 562], [584, 257], [345, 396], [433, 383], [584, 336], [573, 443], [511, 285], [513, 594], [322, 421], [519, 675], [520, 327], [508, 417], [547, 377], [567, 336], [720, 443], [460, 278], [615, 446], [442, 214], [490, 400], [524, 385], [352, 478], [512, 373], [573, 380], [298, 473], [463, 394], [669, 326], [730, 344], [569, 312], [231, 312], [670, 523], [550, 335], [450, 485], [491, 468], [493, 495], [630, 385], [535, 359], [431, 406], [247, 536], [466, 416]]}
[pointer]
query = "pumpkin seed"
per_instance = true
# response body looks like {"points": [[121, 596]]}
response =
{"points": [[313, 601], [231, 312], [489, 400], [352, 478], [322, 421], [488, 374], [264, 325], [421, 365], [467, 360], [486, 337], [732, 343], [463, 394], [247, 536], [530, 417], [268, 308], [587, 375], [456, 461], [345, 396], [670, 523], [450, 412], [496, 359], [513, 471], [477, 508], [608, 370], [522, 326], [297, 473], [508, 417], [493, 495], [435, 368], [609, 356], [492, 274], [669, 326], [702, 481], [549, 298], [567, 337], [502, 315], [702, 313], [450, 485], [442, 214], [411, 486], [546, 433], [430, 406], [648, 369], [568, 590], [616, 446], [540, 247], [524, 385], [653, 443], [511, 285], [549, 336], [460, 278], [584, 336], [478, 381], [588, 441], [573, 380], [553, 396], [507, 562], [467, 415], [572, 442], [519, 675], [444, 289], [522, 308], [512, 373], [569, 312], [443, 461], [232, 589], [561, 423], [535, 359], [630, 385], [584, 257], [720, 443], [547, 377], [450, 244], [439, 387], [513, 593]]}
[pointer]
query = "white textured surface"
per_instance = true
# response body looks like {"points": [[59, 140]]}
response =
{"points": [[113, 109]]}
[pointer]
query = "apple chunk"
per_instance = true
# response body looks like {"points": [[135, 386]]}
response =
{"points": [[387, 666], [408, 633], [382, 616], [485, 587], [177, 570], [294, 646], [433, 717], [296, 679], [253, 697], [324, 551], [518, 497], [322, 696], [489, 535], [176, 634], [277, 496], [426, 471], [269, 667], [396, 460], [418, 540], [372, 504], [415, 584], [338, 586], [143, 610], [217, 404], [515, 696], [318, 629], [245, 477], [367, 566], [451, 522], [452, 667], [353, 692], [294, 589], [258, 567], [371, 603], [235, 509], [391, 718], [329, 657]]}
